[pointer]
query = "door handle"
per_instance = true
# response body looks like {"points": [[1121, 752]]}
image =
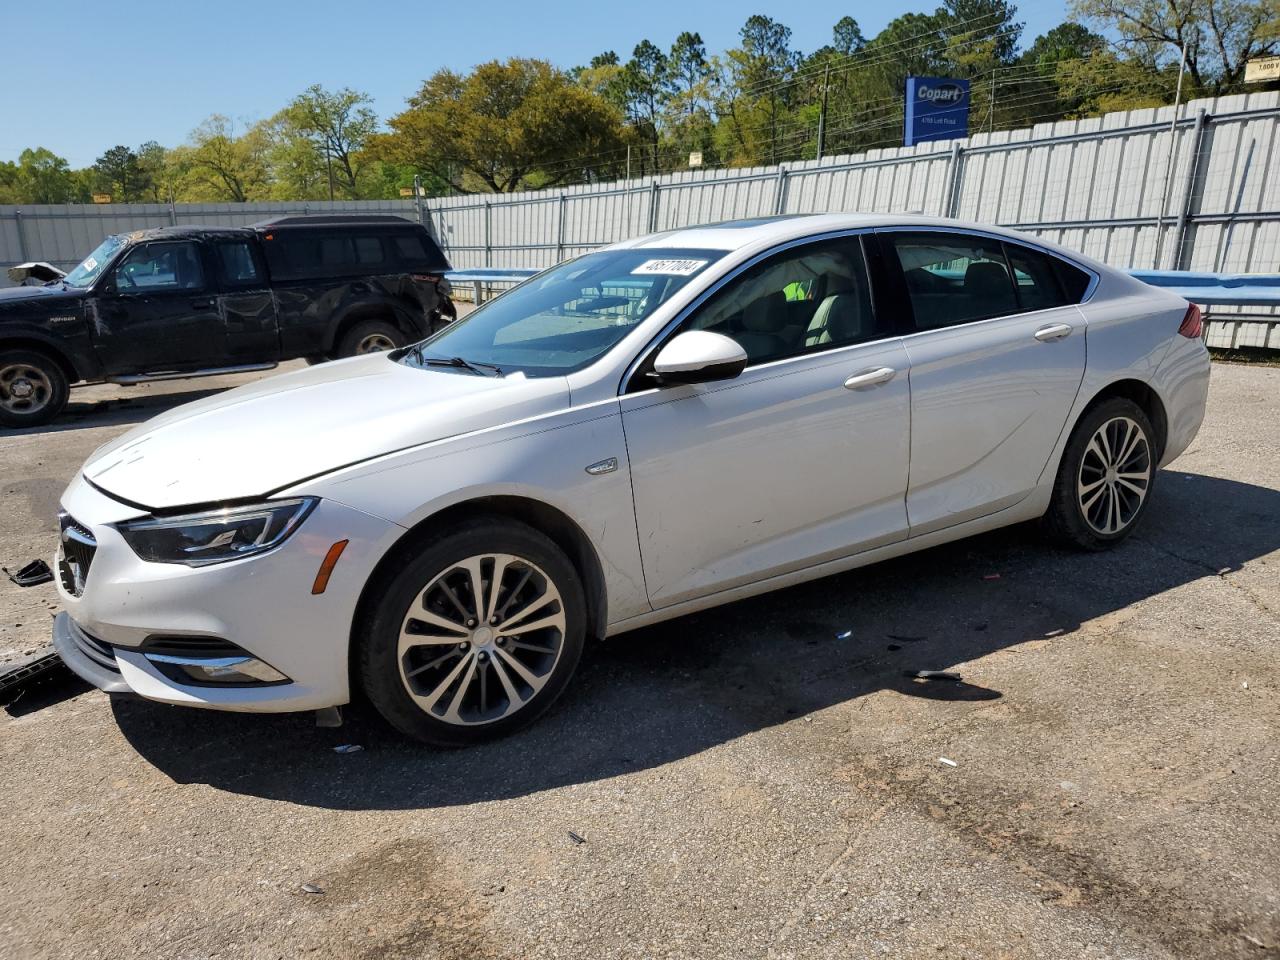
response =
{"points": [[1054, 331], [870, 378]]}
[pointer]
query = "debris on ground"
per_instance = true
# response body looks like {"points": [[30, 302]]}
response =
{"points": [[932, 675], [576, 839], [905, 638], [348, 748], [844, 635], [32, 575], [16, 678], [312, 888], [948, 761], [895, 646], [991, 576]]}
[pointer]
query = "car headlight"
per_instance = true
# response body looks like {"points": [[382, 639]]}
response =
{"points": [[197, 539]]}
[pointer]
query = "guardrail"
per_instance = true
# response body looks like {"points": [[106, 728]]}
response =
{"points": [[1225, 330], [483, 279]]}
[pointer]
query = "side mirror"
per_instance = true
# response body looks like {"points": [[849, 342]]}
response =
{"points": [[699, 356]]}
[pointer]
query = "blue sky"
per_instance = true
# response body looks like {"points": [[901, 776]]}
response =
{"points": [[147, 70]]}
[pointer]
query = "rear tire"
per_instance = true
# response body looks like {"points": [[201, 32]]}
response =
{"points": [[1105, 478], [450, 671], [33, 388], [370, 336]]}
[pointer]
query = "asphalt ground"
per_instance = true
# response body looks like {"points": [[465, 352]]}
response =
{"points": [[760, 780]]}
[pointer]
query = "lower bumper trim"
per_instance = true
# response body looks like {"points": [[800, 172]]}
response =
{"points": [[65, 632]]}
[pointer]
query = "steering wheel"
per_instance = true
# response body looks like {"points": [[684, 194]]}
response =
{"points": [[123, 274]]}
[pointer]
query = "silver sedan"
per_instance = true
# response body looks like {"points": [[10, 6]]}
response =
{"points": [[671, 423]]}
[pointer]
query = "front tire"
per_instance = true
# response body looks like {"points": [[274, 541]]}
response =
{"points": [[476, 636], [1105, 478], [33, 388]]}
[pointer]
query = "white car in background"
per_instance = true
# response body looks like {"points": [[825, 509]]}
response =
{"points": [[668, 424]]}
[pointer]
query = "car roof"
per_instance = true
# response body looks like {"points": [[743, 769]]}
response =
{"points": [[335, 220], [764, 232], [175, 233], [737, 234]]}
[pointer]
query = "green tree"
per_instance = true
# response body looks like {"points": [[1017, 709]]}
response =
{"points": [[220, 165], [339, 124], [754, 90], [687, 98], [847, 36], [1220, 36], [643, 81], [39, 176], [9, 182], [121, 174], [506, 126]]}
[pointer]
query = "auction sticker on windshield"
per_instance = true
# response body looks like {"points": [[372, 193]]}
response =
{"points": [[670, 268], [90, 264]]}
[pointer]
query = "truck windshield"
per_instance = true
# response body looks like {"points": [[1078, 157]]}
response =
{"points": [[92, 266], [567, 317]]}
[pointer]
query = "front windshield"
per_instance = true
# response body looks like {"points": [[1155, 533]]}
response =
{"points": [[569, 316], [93, 265]]}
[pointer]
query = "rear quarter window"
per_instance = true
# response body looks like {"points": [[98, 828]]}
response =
{"points": [[1075, 282], [417, 252]]}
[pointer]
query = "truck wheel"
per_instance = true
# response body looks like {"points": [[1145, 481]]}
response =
{"points": [[370, 336], [33, 388]]}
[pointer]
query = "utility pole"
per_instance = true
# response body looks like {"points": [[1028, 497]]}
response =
{"points": [[1168, 167], [628, 161], [822, 113], [328, 166], [991, 107]]}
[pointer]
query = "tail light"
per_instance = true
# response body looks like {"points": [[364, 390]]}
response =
{"points": [[1192, 323]]}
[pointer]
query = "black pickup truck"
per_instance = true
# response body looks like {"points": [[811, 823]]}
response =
{"points": [[179, 302]]}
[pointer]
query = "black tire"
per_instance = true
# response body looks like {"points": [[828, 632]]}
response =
{"points": [[370, 336], [384, 674], [33, 388], [1079, 481]]}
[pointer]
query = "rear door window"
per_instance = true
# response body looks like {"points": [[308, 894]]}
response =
{"points": [[1035, 280], [369, 251], [954, 278], [236, 263]]}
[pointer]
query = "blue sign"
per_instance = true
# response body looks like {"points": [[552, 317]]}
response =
{"points": [[937, 109]]}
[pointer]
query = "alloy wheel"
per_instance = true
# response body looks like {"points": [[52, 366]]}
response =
{"points": [[1114, 476], [24, 389], [375, 343], [481, 639]]}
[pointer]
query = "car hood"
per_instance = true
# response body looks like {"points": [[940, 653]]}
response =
{"points": [[15, 299], [267, 435]]}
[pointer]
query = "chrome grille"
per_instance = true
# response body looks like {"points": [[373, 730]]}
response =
{"points": [[76, 555]]}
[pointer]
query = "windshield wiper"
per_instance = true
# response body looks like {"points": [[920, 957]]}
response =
{"points": [[463, 364]]}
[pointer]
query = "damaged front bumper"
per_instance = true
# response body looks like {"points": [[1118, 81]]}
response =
{"points": [[87, 657]]}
